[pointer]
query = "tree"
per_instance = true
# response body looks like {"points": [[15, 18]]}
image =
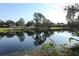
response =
{"points": [[30, 23], [38, 17], [2, 23], [71, 13], [47, 23], [9, 23], [41, 21], [20, 22]]}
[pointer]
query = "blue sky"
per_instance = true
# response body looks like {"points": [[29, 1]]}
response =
{"points": [[14, 11]]}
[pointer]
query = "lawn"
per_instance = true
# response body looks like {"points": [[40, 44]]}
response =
{"points": [[4, 30], [19, 29]]}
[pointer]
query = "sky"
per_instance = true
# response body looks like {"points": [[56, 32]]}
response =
{"points": [[14, 11]]}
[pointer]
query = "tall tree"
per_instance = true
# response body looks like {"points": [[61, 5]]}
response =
{"points": [[38, 17], [41, 21], [71, 13], [20, 22]]}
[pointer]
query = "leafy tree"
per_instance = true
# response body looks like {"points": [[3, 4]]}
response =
{"points": [[47, 23], [41, 21], [9, 23], [38, 17], [30, 23], [71, 13], [2, 23], [20, 22]]}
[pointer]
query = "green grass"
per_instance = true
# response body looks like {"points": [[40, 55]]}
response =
{"points": [[59, 28], [19, 29], [4, 30]]}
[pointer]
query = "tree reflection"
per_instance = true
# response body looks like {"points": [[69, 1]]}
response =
{"points": [[1, 35], [21, 36], [30, 33], [9, 35], [74, 33], [40, 37], [71, 38]]}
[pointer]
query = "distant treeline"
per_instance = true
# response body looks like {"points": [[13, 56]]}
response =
{"points": [[38, 21]]}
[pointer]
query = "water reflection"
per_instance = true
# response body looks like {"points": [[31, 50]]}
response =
{"points": [[32, 39], [10, 35], [30, 33], [1, 35], [20, 36], [39, 37], [74, 34]]}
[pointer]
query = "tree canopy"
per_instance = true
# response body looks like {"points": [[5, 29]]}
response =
{"points": [[72, 17], [20, 22]]}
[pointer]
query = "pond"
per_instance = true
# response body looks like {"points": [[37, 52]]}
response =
{"points": [[13, 42]]}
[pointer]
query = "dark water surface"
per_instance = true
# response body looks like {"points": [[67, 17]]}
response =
{"points": [[13, 42]]}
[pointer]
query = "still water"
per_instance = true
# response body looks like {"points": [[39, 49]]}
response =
{"points": [[13, 42]]}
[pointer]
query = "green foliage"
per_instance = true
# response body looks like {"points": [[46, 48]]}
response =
{"points": [[10, 23], [41, 21], [50, 49], [20, 22], [72, 11], [2, 23], [30, 23], [46, 46]]}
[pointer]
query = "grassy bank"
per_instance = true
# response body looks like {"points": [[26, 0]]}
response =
{"points": [[5, 30], [19, 29]]}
